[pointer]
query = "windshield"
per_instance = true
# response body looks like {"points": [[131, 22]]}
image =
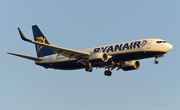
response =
{"points": [[161, 42]]}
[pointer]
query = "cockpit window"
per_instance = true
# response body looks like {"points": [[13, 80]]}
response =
{"points": [[161, 41]]}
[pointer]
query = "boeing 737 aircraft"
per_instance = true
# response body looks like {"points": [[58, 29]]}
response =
{"points": [[123, 56]]}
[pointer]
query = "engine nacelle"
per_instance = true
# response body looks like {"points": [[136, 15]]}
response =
{"points": [[99, 57], [131, 65]]}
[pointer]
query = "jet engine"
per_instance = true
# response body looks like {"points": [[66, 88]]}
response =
{"points": [[131, 65], [99, 57]]}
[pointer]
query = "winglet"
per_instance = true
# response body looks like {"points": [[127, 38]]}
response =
{"points": [[22, 35]]}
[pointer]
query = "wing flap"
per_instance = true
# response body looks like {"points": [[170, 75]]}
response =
{"points": [[27, 57]]}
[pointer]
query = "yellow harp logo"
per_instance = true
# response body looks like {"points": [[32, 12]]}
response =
{"points": [[42, 40]]}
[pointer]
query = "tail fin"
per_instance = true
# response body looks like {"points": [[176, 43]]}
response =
{"points": [[38, 36]]}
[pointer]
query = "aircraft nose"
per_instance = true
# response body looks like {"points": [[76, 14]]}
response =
{"points": [[169, 47]]}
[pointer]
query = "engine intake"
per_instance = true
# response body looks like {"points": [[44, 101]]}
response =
{"points": [[99, 57], [131, 65]]}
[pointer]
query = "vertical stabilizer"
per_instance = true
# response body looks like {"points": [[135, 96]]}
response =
{"points": [[39, 36]]}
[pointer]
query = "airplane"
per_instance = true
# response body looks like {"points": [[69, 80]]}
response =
{"points": [[125, 55]]}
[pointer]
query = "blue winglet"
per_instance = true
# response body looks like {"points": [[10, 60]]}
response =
{"points": [[22, 35]]}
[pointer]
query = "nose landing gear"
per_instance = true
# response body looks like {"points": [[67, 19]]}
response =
{"points": [[156, 61], [158, 56]]}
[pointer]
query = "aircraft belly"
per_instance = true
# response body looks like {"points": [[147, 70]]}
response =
{"points": [[135, 55], [71, 65], [68, 65]]}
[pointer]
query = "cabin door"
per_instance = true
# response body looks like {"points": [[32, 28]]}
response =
{"points": [[149, 44]]}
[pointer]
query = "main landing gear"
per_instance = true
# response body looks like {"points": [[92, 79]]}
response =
{"points": [[89, 68], [108, 72]]}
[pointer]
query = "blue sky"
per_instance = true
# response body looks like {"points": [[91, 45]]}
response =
{"points": [[83, 24]]}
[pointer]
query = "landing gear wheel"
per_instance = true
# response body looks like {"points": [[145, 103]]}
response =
{"points": [[107, 73], [156, 61], [89, 68]]}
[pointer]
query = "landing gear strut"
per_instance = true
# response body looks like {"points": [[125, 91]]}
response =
{"points": [[156, 57], [89, 68], [108, 72], [156, 61]]}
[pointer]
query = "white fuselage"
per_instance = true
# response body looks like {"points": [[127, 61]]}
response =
{"points": [[143, 45]]}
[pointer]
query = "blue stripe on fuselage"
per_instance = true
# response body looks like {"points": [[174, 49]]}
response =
{"points": [[70, 65]]}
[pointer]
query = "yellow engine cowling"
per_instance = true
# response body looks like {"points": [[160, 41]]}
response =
{"points": [[131, 65], [99, 57]]}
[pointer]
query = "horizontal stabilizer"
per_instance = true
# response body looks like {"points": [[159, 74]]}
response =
{"points": [[27, 57]]}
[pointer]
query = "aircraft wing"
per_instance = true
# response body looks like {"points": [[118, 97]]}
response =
{"points": [[27, 57], [59, 50]]}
